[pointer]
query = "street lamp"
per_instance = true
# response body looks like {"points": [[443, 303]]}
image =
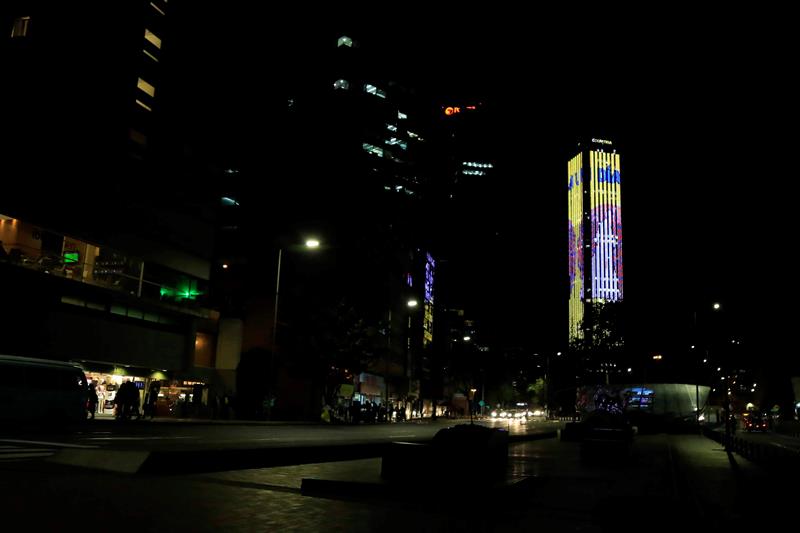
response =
{"points": [[310, 244], [412, 304], [716, 307]]}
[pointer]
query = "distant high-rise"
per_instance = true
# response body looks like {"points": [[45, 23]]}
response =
{"points": [[595, 232]]}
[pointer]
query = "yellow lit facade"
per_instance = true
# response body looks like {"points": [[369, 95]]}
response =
{"points": [[595, 231]]}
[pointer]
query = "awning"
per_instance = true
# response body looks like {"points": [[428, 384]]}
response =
{"points": [[121, 369]]}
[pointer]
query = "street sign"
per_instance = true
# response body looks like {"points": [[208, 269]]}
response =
{"points": [[481, 403]]}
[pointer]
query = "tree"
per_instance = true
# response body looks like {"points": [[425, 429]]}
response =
{"points": [[603, 336], [337, 342], [537, 391]]}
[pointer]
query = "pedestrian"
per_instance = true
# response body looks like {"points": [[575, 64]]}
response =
{"points": [[91, 403], [101, 400], [152, 398]]}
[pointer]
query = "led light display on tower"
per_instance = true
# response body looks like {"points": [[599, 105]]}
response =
{"points": [[575, 245], [594, 231], [606, 236], [427, 329]]}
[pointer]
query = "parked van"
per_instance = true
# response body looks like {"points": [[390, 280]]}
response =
{"points": [[41, 390]]}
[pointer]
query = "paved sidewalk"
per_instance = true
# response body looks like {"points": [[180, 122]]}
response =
{"points": [[680, 482], [726, 491]]}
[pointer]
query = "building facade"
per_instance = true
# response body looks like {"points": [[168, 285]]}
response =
{"points": [[107, 245], [594, 210]]}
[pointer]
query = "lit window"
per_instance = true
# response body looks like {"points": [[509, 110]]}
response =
{"points": [[371, 148], [20, 28], [154, 40], [151, 56], [341, 84], [158, 9], [143, 105], [146, 87], [399, 142], [371, 89], [138, 137], [345, 41]]}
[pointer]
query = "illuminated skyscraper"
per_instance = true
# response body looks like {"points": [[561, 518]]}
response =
{"points": [[595, 232]]}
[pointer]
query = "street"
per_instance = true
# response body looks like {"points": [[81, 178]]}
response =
{"points": [[668, 481]]}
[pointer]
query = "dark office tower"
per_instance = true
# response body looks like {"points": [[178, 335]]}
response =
{"points": [[108, 249], [469, 160], [86, 82], [595, 234], [378, 124]]}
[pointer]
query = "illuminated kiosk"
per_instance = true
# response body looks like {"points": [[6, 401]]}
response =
{"points": [[594, 232]]}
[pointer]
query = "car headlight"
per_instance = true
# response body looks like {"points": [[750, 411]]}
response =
{"points": [[494, 414]]}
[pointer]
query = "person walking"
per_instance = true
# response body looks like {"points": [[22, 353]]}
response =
{"points": [[152, 399], [91, 403], [101, 400]]}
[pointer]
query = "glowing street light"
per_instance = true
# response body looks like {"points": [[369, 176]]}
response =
{"points": [[312, 244], [412, 303]]}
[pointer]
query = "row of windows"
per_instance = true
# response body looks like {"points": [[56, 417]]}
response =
{"points": [[368, 88], [121, 310], [151, 49]]}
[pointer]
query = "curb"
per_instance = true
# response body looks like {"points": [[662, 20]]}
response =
{"points": [[202, 461]]}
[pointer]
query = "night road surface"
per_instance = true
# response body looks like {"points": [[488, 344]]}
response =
{"points": [[680, 482], [170, 435]]}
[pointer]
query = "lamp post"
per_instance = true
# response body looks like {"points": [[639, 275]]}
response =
{"points": [[698, 354], [726, 377], [310, 244], [411, 304]]}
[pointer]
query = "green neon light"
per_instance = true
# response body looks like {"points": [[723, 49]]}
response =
{"points": [[186, 291]]}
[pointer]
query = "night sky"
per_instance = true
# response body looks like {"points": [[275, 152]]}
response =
{"points": [[698, 105]]}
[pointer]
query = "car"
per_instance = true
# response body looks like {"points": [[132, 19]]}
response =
{"points": [[754, 422], [42, 390]]}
